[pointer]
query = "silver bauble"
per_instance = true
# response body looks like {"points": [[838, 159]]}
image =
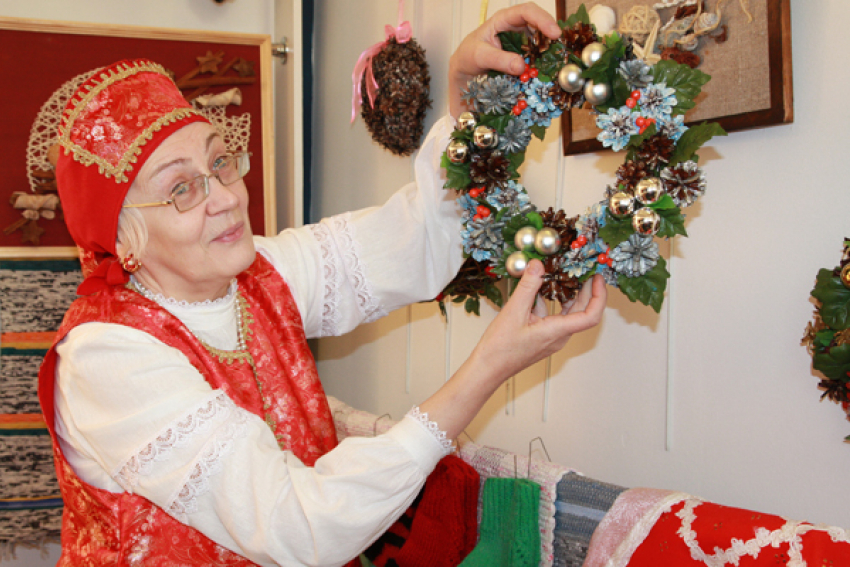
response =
{"points": [[621, 204], [548, 241], [591, 53], [516, 264], [570, 79], [457, 151], [596, 93], [467, 121], [845, 275], [485, 137], [524, 237], [646, 222], [649, 190]]}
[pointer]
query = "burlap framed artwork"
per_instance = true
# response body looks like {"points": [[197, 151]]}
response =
{"points": [[227, 76], [744, 45]]}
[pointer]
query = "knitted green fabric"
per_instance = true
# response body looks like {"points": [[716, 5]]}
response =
{"points": [[509, 535]]}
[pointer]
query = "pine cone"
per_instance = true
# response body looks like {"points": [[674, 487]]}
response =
{"points": [[471, 279], [630, 173], [556, 284], [565, 226], [684, 182], [656, 150], [578, 37], [489, 168], [537, 45], [564, 100]]}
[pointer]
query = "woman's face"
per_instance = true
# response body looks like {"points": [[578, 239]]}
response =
{"points": [[193, 255]]}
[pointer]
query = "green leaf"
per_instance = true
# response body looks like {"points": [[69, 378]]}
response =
{"points": [[638, 139], [496, 121], [580, 15], [620, 92], [534, 219], [616, 230], [512, 41], [443, 309], [834, 298], [672, 222], [539, 131], [664, 203], [462, 135], [550, 62], [648, 288], [687, 82], [514, 161], [693, 139], [494, 294], [834, 364], [824, 338], [473, 305], [457, 174]]}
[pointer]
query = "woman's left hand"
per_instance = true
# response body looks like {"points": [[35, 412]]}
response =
{"points": [[481, 50]]}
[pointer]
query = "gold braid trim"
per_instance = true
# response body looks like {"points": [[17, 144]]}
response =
{"points": [[87, 158]]}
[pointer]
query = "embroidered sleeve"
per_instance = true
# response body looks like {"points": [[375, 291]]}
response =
{"points": [[342, 271]]}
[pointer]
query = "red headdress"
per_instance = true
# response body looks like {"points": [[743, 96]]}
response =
{"points": [[110, 127]]}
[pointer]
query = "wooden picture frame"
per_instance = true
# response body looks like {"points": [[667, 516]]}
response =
{"points": [[752, 88], [37, 57]]}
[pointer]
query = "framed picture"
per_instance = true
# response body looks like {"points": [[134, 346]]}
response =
{"points": [[43, 61], [747, 54]]}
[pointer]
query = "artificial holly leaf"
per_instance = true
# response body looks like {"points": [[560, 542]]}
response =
{"points": [[834, 364], [457, 174], [538, 130], [580, 15], [834, 298], [496, 121], [550, 62], [443, 309], [603, 70], [687, 82], [620, 92], [514, 161], [534, 219], [824, 338], [512, 41], [462, 135], [616, 230], [693, 139], [672, 222], [636, 140], [648, 288], [473, 305], [494, 294], [665, 202]]}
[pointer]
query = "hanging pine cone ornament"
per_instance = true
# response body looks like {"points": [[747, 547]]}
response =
{"points": [[502, 230], [396, 118]]}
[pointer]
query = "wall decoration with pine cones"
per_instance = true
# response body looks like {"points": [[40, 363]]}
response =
{"points": [[392, 87], [639, 108]]}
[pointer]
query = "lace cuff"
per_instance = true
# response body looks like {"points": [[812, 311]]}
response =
{"points": [[216, 408], [341, 260], [434, 429]]}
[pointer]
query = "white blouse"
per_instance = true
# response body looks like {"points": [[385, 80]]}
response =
{"points": [[132, 414]]}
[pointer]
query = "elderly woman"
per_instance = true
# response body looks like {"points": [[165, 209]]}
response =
{"points": [[189, 424]]}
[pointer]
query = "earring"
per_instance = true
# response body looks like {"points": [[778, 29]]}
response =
{"points": [[131, 264]]}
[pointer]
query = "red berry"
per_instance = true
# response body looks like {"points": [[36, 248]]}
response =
{"points": [[581, 239], [610, 261], [525, 77], [642, 129], [533, 73], [476, 217], [475, 192], [602, 258], [631, 103], [636, 95], [439, 297], [575, 245], [491, 272], [516, 110], [527, 68], [522, 104], [483, 211], [640, 121], [650, 121]]}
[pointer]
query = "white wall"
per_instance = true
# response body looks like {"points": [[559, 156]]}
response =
{"points": [[253, 16], [746, 428]]}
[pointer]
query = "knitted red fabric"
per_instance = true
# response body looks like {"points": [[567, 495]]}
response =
{"points": [[445, 527]]}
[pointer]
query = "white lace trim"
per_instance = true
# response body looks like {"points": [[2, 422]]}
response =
{"points": [[434, 429], [331, 274], [180, 303], [789, 533], [217, 407], [341, 255], [210, 462]]}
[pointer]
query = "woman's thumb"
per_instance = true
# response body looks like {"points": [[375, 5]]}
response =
{"points": [[526, 291]]}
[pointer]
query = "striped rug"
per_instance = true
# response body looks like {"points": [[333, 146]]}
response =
{"points": [[34, 296]]}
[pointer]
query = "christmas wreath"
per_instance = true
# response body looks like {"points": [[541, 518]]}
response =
{"points": [[639, 109], [827, 336]]}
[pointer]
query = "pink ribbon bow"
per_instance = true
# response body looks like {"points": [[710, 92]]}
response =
{"points": [[402, 34]]}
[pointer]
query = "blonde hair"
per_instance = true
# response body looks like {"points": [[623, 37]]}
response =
{"points": [[132, 235]]}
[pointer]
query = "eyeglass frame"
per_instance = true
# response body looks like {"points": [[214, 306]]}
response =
{"points": [[205, 184]]}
